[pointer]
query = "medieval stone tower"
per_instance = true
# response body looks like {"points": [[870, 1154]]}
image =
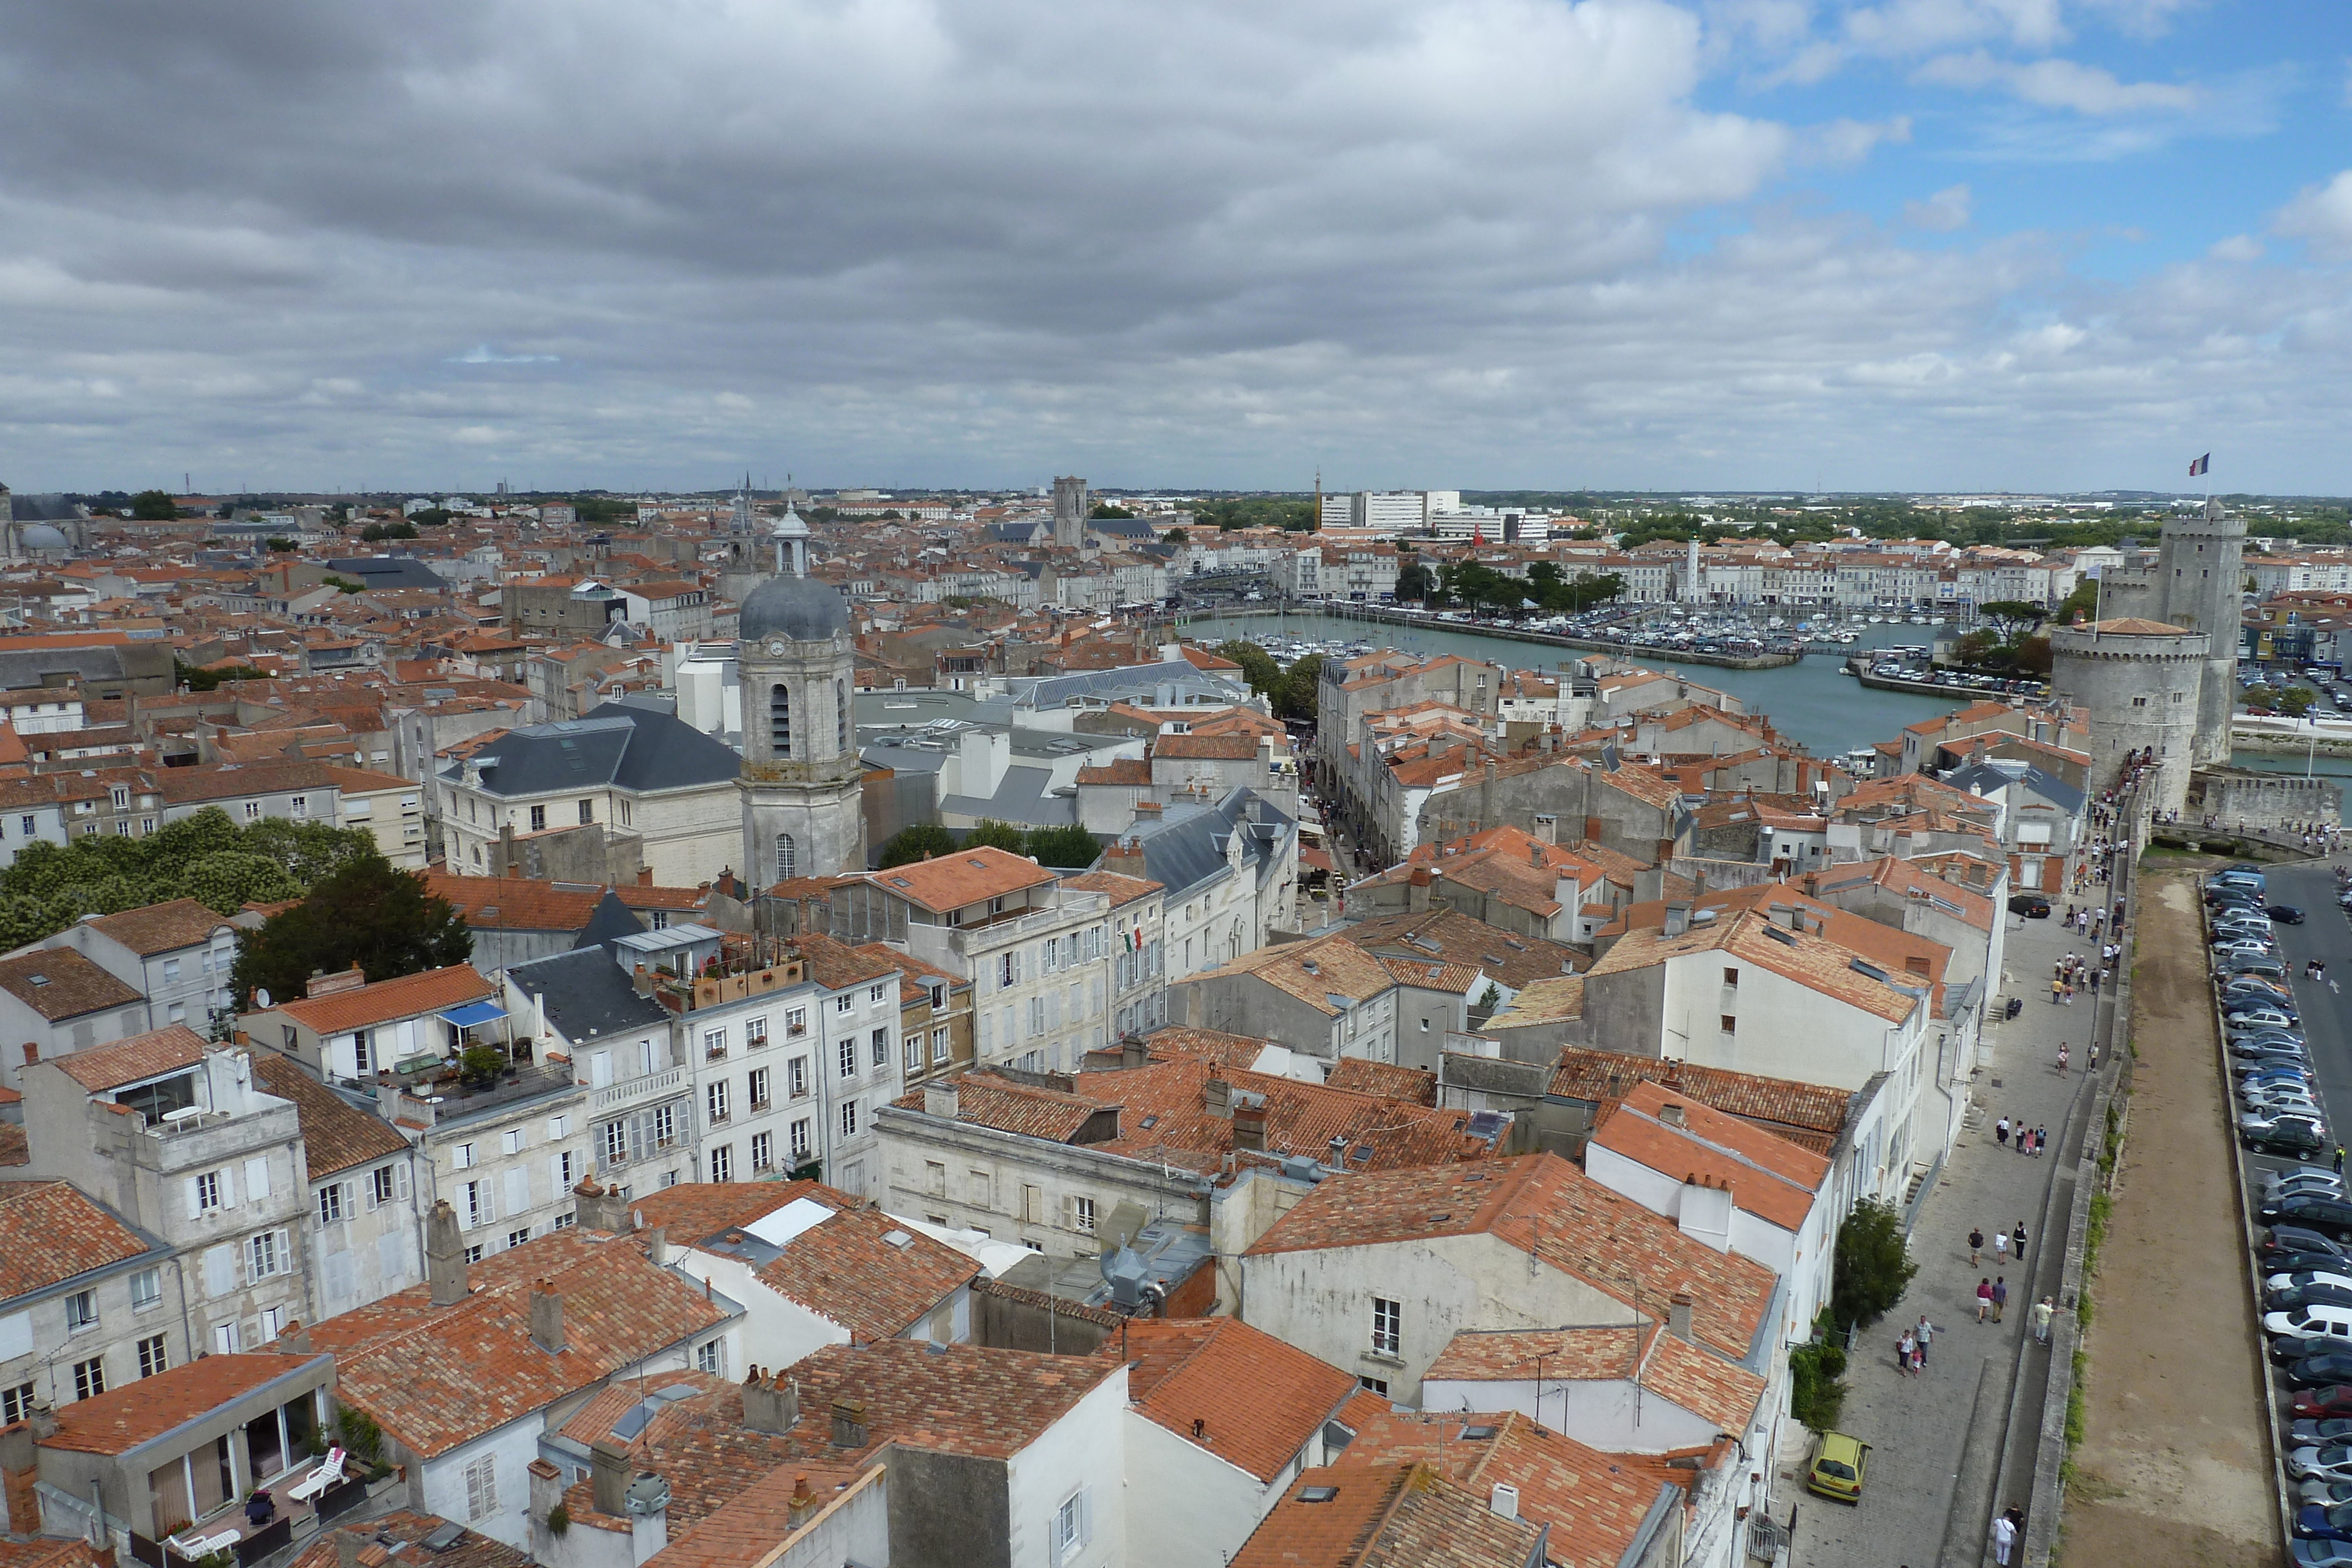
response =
{"points": [[1070, 509], [799, 783], [2142, 682], [2195, 583]]}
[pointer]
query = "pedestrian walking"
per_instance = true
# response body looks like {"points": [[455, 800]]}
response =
{"points": [[2017, 1243], [1984, 1297], [2000, 1130], [1976, 1232], [1999, 1296], [2042, 1311], [1905, 1349], [2339, 1159], [2093, 1062], [1923, 1333], [2040, 1142], [2057, 992], [2004, 1539], [2000, 1247], [2061, 1058]]}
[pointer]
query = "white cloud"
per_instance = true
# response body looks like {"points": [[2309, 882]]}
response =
{"points": [[481, 354], [2059, 84], [2237, 247], [2321, 214], [1947, 210]]}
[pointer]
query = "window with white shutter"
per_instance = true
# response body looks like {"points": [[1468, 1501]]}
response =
{"points": [[518, 1190], [220, 1270], [482, 1488], [256, 1180]]}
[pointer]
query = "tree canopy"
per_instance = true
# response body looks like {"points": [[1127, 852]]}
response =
{"points": [[1108, 509], [1298, 694], [1066, 848], [154, 507], [375, 531], [365, 913], [205, 857], [919, 842], [1873, 1267], [2012, 618], [997, 835]]}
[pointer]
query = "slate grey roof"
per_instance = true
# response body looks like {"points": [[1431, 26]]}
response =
{"points": [[588, 996], [611, 918], [1014, 533], [798, 609], [1996, 774], [1186, 849], [1022, 797], [624, 746], [387, 571], [27, 667], [42, 509], [1122, 527], [1139, 683]]}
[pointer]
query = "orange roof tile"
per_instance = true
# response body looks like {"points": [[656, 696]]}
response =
{"points": [[50, 1233], [849, 1270], [1256, 1400], [122, 1418], [162, 928], [1386, 1516], [1810, 1115], [409, 996], [948, 883], [135, 1059]]}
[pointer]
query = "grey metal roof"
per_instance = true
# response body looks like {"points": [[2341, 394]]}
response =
{"points": [[43, 508], [608, 921], [387, 571], [587, 995], [1021, 797], [1014, 533], [1121, 527], [1996, 774], [1142, 682], [1186, 849], [26, 667], [624, 746]]}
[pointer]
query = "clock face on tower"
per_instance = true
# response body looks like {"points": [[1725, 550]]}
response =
{"points": [[776, 646]]}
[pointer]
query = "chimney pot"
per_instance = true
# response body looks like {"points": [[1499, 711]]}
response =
{"points": [[547, 1317], [848, 1423], [771, 1404], [944, 1100], [609, 1474], [1678, 1316], [1671, 1116], [445, 1255]]}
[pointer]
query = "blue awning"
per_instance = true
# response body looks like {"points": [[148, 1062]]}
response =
{"points": [[473, 1013]]}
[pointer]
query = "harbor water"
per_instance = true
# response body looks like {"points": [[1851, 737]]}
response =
{"points": [[1813, 702]]}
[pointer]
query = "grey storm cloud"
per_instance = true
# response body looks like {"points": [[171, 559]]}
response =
{"points": [[938, 240]]}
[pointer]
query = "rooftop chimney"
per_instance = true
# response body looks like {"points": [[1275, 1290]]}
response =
{"points": [[347, 1549], [1217, 1098], [1671, 1116], [609, 1475], [323, 985], [294, 1338], [1504, 1500], [1338, 1152], [547, 1317], [804, 1503], [771, 1404], [1249, 1127], [1678, 1316], [599, 1208], [849, 1423], [1677, 918], [445, 1255], [1133, 1052], [944, 1100]]}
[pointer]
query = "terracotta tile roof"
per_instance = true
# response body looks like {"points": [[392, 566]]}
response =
{"points": [[700, 1444], [135, 1059], [1123, 889], [1700, 1382], [1163, 1113], [948, 883], [15, 1150], [59, 983], [1766, 1176], [847, 1269], [1258, 1399], [1386, 1516], [435, 1378], [641, 896], [513, 903], [596, 1419], [1539, 1204], [1817, 962], [337, 1135], [1362, 1075], [1456, 979], [1132, 772], [1907, 878], [1594, 1500], [386, 1000], [1341, 970], [751, 1529], [38, 1554], [122, 1418], [913, 972], [1542, 1002], [1205, 748], [957, 1398], [836, 966], [469, 1549], [162, 928], [986, 1100], [50, 1233], [1810, 1115]]}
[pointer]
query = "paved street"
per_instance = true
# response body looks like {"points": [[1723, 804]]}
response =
{"points": [[1919, 1428]]}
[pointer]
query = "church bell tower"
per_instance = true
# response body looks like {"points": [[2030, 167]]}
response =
{"points": [[801, 786]]}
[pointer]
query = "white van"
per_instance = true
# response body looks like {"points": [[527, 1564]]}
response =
{"points": [[2309, 1323]]}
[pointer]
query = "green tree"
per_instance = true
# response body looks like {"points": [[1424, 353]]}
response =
{"points": [[2033, 656], [227, 882], [430, 518], [154, 507], [375, 531], [282, 546], [919, 842], [1257, 665], [367, 913], [1174, 537], [1815, 1395], [1873, 1265], [1065, 848], [1000, 835], [196, 678], [1301, 690], [2080, 605], [1105, 509], [1415, 580], [343, 584], [2012, 618], [2294, 701]]}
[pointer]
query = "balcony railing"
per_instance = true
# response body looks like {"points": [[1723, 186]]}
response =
{"points": [[649, 1086]]}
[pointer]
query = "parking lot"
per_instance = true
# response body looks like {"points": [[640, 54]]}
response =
{"points": [[2320, 1020]]}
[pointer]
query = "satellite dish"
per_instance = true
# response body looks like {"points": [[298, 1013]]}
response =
{"points": [[260, 996]]}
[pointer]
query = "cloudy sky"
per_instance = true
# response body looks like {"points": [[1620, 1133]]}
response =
{"points": [[1918, 244]]}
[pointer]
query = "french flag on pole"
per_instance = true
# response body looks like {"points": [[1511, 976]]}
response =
{"points": [[2201, 465]]}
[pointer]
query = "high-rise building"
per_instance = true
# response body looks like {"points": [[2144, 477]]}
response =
{"points": [[800, 781], [1070, 508]]}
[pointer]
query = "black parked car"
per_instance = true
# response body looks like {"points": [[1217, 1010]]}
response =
{"points": [[2313, 1371], [2032, 905], [2331, 1217], [2287, 1351], [2293, 1135], [2286, 1298], [2286, 914], [2277, 1263], [2295, 1238]]}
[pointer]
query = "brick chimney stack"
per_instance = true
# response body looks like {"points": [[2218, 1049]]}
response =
{"points": [[547, 1317], [445, 1255]]}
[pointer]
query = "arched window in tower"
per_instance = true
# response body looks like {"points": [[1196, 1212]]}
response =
{"points": [[780, 720], [841, 714], [786, 859]]}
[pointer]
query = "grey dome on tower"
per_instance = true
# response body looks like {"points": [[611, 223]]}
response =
{"points": [[799, 609]]}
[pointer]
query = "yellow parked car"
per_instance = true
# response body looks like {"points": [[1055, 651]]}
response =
{"points": [[1839, 1468]]}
